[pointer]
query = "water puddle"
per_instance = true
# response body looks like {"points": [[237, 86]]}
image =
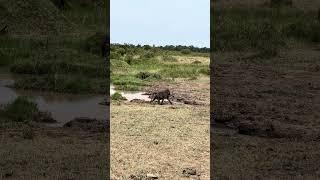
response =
{"points": [[63, 107], [130, 95]]}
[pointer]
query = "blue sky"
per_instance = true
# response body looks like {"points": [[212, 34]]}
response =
{"points": [[161, 22]]}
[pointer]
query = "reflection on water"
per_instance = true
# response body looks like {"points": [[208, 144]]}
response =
{"points": [[130, 95], [63, 107]]}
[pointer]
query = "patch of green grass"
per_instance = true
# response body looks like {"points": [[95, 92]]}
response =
{"points": [[148, 75], [20, 110], [60, 65], [117, 96], [261, 28], [127, 82], [119, 66], [184, 70], [63, 84], [41, 67], [142, 72]]}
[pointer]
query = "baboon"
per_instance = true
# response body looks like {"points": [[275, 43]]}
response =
{"points": [[161, 95]]}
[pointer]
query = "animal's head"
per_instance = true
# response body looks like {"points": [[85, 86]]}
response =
{"points": [[152, 95]]}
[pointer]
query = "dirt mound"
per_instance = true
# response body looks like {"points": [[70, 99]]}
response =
{"points": [[44, 117], [140, 101], [278, 130], [32, 17], [87, 124]]}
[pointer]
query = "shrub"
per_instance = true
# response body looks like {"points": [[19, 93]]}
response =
{"points": [[186, 51], [147, 75], [117, 96], [148, 55], [115, 55], [21, 109]]}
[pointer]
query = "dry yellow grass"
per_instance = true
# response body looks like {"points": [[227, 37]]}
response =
{"points": [[159, 139], [192, 59]]}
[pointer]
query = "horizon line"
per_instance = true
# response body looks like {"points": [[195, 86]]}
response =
{"points": [[136, 44]]}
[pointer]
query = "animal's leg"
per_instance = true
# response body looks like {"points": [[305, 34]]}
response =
{"points": [[169, 100], [162, 101], [152, 100], [159, 101]]}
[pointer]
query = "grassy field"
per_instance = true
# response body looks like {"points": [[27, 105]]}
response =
{"points": [[154, 139], [61, 60], [265, 90], [55, 50], [132, 68]]}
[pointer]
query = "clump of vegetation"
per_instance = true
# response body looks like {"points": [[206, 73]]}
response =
{"points": [[186, 51], [148, 75], [148, 55], [127, 82], [21, 109], [117, 96], [62, 83]]}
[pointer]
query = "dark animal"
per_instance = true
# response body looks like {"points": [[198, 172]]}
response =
{"points": [[161, 95]]}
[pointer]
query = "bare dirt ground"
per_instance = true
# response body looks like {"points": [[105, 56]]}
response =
{"points": [[268, 122], [53, 153], [265, 112], [163, 140]]}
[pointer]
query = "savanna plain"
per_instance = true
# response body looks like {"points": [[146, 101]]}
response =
{"points": [[150, 140], [265, 89]]}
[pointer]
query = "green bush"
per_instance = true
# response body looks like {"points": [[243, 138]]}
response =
{"points": [[186, 51], [21, 109], [148, 75], [117, 96], [148, 55]]}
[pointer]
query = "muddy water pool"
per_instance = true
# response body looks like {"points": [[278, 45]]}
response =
{"points": [[63, 107]]}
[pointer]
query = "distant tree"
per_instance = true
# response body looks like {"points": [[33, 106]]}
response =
{"points": [[185, 51]]}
